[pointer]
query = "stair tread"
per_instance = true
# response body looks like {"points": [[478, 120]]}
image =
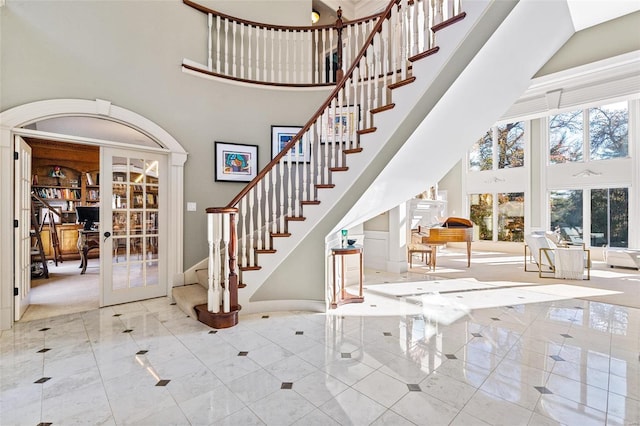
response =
{"points": [[338, 169], [310, 202], [424, 54], [352, 150], [280, 234], [249, 268], [295, 218], [325, 185], [384, 107], [402, 83], [266, 251], [365, 131]]}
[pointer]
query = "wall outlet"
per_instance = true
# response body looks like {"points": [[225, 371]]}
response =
{"points": [[191, 207]]}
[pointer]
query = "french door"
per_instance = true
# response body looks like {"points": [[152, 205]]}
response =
{"points": [[132, 225], [22, 258]]}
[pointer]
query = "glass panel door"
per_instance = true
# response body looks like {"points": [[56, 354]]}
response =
{"points": [[134, 266]]}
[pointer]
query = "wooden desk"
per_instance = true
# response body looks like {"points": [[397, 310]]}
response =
{"points": [[339, 295], [87, 240]]}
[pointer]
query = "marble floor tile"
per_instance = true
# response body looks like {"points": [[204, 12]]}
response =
{"points": [[520, 358]]}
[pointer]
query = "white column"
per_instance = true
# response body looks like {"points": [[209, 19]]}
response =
{"points": [[398, 234]]}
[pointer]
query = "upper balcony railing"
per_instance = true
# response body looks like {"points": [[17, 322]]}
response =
{"points": [[301, 56]]}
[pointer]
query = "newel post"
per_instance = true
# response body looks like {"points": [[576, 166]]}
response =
{"points": [[221, 310], [339, 25]]}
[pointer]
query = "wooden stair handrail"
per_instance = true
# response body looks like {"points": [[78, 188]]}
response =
{"points": [[46, 204], [290, 28], [334, 93]]}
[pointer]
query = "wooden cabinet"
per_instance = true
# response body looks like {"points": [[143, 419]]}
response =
{"points": [[67, 239]]}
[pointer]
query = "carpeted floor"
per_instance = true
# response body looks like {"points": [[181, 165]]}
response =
{"points": [[501, 267]]}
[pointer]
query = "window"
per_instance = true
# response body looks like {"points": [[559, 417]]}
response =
{"points": [[511, 216], [481, 154], [506, 141], [606, 135], [565, 137], [481, 215], [566, 214], [610, 217], [609, 131], [511, 145]]}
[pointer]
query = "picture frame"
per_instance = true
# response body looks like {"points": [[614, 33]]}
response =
{"points": [[340, 123], [235, 162], [281, 135]]}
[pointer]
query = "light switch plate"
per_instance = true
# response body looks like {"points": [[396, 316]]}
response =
{"points": [[191, 207]]}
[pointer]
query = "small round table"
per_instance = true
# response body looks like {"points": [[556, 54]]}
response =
{"points": [[340, 296]]}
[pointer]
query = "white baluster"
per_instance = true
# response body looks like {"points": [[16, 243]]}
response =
{"points": [[243, 232], [426, 29], [218, 26], [250, 44], [318, 35], [320, 125], [213, 273], [289, 183], [274, 204], [331, 67], [282, 206], [273, 35], [414, 42], [267, 210], [234, 51], [251, 231], [259, 224], [385, 61], [226, 224], [241, 50], [306, 149], [209, 42], [226, 46]]}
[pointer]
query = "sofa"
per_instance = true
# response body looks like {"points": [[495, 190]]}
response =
{"points": [[622, 257]]}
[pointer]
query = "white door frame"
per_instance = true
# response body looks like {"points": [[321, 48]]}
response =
{"points": [[12, 122]]}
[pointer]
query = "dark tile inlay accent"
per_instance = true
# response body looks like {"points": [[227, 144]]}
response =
{"points": [[213, 331], [509, 307], [117, 315], [42, 380], [520, 297], [386, 333], [163, 382], [286, 385], [568, 336], [374, 306], [543, 390], [495, 319], [44, 329], [346, 355], [476, 334], [460, 297], [243, 353], [578, 307], [413, 387], [44, 424], [128, 330], [451, 356], [299, 333], [141, 352], [419, 288], [265, 316], [557, 358], [43, 350], [173, 304]]}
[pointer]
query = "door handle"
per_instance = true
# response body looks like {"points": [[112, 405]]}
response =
{"points": [[107, 235]]}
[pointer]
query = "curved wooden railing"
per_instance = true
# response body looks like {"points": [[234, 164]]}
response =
{"points": [[305, 165], [259, 53]]}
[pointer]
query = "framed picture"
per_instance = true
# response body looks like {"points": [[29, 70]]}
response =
{"points": [[341, 122], [280, 137], [236, 162]]}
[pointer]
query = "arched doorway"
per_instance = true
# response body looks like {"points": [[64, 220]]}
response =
{"points": [[19, 122]]}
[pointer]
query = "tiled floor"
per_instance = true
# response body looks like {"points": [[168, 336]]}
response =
{"points": [[403, 357]]}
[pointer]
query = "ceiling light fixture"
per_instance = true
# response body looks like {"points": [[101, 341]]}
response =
{"points": [[315, 16]]}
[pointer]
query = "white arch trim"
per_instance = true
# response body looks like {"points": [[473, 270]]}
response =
{"points": [[11, 122]]}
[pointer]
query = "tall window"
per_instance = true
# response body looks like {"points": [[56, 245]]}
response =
{"points": [[511, 216], [481, 206], [566, 214], [502, 147], [510, 145], [610, 217], [602, 132]]}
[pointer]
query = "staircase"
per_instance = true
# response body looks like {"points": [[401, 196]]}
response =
{"points": [[275, 230]]}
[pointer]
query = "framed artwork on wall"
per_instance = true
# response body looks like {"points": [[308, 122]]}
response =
{"points": [[341, 123], [235, 162], [282, 135]]}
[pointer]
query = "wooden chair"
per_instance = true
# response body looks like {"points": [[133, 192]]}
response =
{"points": [[425, 252]]}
